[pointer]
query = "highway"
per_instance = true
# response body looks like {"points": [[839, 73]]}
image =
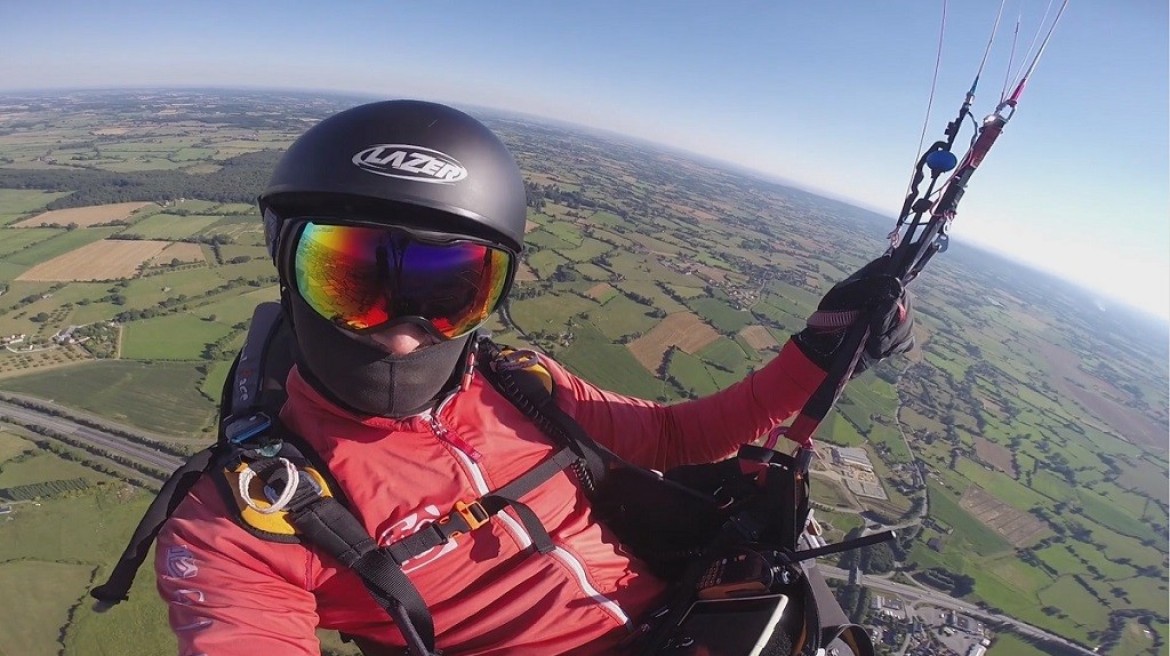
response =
{"points": [[101, 439], [914, 594]]}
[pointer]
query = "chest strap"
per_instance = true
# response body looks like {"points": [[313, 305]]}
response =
{"points": [[325, 522]]}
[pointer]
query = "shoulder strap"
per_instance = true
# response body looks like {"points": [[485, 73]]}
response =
{"points": [[249, 384], [521, 379], [117, 587]]}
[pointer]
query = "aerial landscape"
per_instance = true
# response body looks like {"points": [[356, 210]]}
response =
{"points": [[1020, 448]]}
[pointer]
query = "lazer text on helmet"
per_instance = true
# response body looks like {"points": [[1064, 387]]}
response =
{"points": [[410, 163]]}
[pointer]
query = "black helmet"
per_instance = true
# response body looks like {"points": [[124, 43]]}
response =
{"points": [[407, 162]]}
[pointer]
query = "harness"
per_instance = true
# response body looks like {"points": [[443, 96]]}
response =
{"points": [[282, 492]]}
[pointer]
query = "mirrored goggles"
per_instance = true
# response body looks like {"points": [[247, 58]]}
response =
{"points": [[365, 278]]}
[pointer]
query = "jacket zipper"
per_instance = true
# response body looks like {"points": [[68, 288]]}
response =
{"points": [[452, 439]]}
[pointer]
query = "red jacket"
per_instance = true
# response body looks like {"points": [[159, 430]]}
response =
{"points": [[489, 592]]}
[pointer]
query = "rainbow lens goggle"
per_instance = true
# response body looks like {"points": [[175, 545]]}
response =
{"points": [[363, 278]]}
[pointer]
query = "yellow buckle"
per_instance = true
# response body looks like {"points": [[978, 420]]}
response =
{"points": [[473, 513]]}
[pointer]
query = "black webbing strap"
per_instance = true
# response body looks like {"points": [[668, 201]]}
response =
{"points": [[528, 393], [470, 516], [324, 522], [117, 586]]}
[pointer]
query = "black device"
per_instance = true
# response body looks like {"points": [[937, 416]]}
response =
{"points": [[737, 573]]}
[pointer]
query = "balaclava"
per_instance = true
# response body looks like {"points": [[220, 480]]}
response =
{"points": [[365, 378]]}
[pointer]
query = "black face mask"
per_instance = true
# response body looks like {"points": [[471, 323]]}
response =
{"points": [[365, 378]]}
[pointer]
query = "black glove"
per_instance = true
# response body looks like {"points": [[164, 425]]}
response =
{"points": [[867, 291]]}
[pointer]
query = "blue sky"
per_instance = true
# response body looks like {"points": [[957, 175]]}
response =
{"points": [[830, 95]]}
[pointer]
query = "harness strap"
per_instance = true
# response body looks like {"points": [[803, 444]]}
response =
{"points": [[328, 524], [527, 393], [467, 517], [117, 587], [324, 522]]}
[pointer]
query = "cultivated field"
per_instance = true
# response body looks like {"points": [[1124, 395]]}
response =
{"points": [[683, 329], [622, 267], [179, 250], [84, 216], [1019, 528], [758, 338], [108, 259], [996, 455]]}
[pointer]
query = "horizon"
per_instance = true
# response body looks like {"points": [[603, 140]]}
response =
{"points": [[833, 102], [766, 177]]}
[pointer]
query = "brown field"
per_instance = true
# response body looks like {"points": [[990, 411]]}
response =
{"points": [[109, 132], [599, 291], [83, 216], [529, 226], [1098, 397], [524, 273], [758, 338], [108, 259], [1015, 526], [996, 455], [682, 329], [179, 250]]}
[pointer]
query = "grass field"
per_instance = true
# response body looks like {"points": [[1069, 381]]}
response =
{"points": [[536, 314], [180, 336], [37, 600], [979, 538], [14, 240], [60, 244], [159, 396], [45, 467], [691, 373], [172, 227], [11, 446], [609, 365], [1009, 644], [51, 569], [620, 316], [725, 318], [15, 203]]}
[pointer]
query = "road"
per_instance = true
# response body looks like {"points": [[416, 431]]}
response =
{"points": [[101, 439], [913, 594]]}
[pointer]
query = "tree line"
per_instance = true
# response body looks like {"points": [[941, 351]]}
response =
{"points": [[239, 180]]}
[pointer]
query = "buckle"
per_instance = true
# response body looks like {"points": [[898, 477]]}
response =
{"points": [[474, 514], [241, 429]]}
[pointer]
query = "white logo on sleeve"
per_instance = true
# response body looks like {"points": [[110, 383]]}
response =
{"points": [[409, 525], [181, 563]]}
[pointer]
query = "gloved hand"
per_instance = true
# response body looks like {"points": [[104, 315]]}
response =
{"points": [[866, 291]]}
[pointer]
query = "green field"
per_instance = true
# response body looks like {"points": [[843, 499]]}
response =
{"points": [[17, 203], [691, 373], [16, 239], [722, 316], [620, 316], [38, 599], [59, 244], [172, 227], [157, 396], [172, 337], [978, 537], [12, 445], [42, 557], [608, 365], [44, 467]]}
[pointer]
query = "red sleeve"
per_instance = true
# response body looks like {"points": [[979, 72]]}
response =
{"points": [[702, 430], [228, 592]]}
